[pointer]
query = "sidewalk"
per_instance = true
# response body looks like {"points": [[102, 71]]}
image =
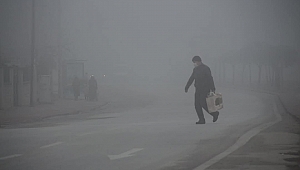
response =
{"points": [[26, 114], [291, 102], [112, 97]]}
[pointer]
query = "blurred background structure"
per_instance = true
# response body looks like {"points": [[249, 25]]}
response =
{"points": [[247, 43]]}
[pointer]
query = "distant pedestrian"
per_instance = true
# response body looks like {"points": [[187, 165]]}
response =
{"points": [[204, 83], [85, 79], [86, 91], [86, 86], [92, 89], [76, 87]]}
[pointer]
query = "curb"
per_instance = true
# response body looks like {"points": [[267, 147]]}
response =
{"points": [[35, 119], [76, 112]]}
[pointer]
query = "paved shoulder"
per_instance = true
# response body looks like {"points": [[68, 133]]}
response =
{"points": [[274, 148]]}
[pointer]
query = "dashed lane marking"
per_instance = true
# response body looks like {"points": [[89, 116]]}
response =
{"points": [[10, 157], [125, 154], [88, 133], [51, 145]]}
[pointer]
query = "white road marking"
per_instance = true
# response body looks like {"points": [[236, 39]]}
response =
{"points": [[50, 145], [88, 133], [125, 154], [241, 141], [9, 157]]}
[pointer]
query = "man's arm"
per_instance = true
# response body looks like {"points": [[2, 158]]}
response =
{"points": [[211, 80], [190, 81]]}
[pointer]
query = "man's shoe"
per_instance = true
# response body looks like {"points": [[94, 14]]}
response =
{"points": [[215, 116], [200, 122]]}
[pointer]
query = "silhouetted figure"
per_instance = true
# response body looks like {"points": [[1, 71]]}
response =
{"points": [[204, 83], [92, 89], [86, 91], [76, 87], [86, 87]]}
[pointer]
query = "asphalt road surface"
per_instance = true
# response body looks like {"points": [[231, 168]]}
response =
{"points": [[160, 135]]}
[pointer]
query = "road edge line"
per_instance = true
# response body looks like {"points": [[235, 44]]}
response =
{"points": [[242, 140]]}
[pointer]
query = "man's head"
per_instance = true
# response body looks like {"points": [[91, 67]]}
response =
{"points": [[197, 60]]}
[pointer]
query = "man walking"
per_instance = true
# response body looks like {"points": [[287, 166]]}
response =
{"points": [[204, 83], [92, 88]]}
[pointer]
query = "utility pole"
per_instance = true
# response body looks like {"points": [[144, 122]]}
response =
{"points": [[59, 52], [32, 55]]}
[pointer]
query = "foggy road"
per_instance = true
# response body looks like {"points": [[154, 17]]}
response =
{"points": [[160, 135], [141, 54]]}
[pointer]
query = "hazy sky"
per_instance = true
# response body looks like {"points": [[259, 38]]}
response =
{"points": [[163, 31], [143, 34]]}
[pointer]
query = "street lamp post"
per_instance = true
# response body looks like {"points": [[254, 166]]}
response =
{"points": [[32, 65], [59, 52]]}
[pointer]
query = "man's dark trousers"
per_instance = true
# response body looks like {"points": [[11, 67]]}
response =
{"points": [[200, 102]]}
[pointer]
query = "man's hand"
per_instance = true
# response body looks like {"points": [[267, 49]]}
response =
{"points": [[186, 89]]}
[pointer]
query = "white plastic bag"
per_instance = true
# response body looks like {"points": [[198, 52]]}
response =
{"points": [[214, 102]]}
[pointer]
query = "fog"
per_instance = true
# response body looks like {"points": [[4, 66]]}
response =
{"points": [[145, 41]]}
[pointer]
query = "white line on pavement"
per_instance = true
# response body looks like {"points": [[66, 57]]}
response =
{"points": [[9, 157], [50, 145], [125, 154], [241, 141], [88, 133]]}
